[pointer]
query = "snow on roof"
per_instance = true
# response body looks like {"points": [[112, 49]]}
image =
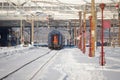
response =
{"points": [[86, 1], [63, 1], [59, 8]]}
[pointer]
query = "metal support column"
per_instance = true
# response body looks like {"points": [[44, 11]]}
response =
{"points": [[32, 31], [80, 31], [102, 57], [90, 53], [84, 32], [93, 27], [118, 9], [75, 33], [119, 22], [21, 32]]}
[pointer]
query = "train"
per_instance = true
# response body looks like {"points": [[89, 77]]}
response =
{"points": [[56, 40]]}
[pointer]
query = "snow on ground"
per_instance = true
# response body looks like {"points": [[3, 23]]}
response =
{"points": [[69, 64]]}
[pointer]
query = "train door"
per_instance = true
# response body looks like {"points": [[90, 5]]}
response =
{"points": [[55, 39]]}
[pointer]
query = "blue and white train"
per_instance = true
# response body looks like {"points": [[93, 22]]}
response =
{"points": [[56, 40]]}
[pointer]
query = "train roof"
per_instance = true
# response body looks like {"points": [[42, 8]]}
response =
{"points": [[55, 32]]}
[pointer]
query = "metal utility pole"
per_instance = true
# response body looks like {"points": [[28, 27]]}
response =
{"points": [[93, 27]]}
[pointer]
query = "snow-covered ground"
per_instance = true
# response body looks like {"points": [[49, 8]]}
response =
{"points": [[68, 64]]}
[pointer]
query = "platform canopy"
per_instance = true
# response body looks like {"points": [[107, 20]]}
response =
{"points": [[55, 9]]}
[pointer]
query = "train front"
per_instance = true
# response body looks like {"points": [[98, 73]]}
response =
{"points": [[55, 40]]}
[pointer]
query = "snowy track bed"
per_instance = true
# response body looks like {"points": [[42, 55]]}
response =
{"points": [[36, 63], [25, 66], [12, 51]]}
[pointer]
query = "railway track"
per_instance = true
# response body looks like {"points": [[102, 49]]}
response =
{"points": [[41, 69], [28, 63]]}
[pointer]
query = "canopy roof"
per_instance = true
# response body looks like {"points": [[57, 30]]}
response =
{"points": [[62, 1], [58, 9]]}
